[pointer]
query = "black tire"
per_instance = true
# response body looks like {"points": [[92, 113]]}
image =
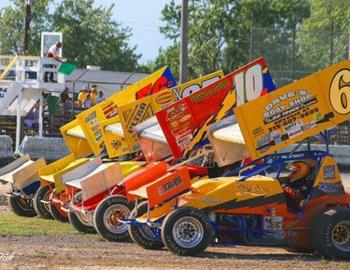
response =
{"points": [[105, 218], [56, 214], [79, 223], [137, 233], [21, 207], [328, 230], [40, 208], [187, 220]]}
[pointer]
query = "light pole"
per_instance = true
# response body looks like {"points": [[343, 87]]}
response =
{"points": [[27, 19], [184, 42]]}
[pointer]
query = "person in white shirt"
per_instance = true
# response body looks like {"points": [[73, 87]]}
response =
{"points": [[100, 97], [55, 51]]}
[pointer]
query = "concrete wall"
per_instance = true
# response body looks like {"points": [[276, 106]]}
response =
{"points": [[49, 148], [6, 150]]}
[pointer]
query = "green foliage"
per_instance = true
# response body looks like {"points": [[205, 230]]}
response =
{"points": [[220, 31], [10, 224], [91, 36], [323, 37], [12, 26]]}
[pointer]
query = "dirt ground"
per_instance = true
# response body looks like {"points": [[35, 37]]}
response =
{"points": [[78, 251]]}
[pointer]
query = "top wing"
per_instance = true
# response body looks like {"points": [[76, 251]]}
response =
{"points": [[296, 111], [185, 122], [88, 122]]}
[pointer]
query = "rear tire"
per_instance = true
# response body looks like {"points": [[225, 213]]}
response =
{"points": [[143, 236], [331, 233], [21, 207], [106, 217], [80, 223], [40, 208], [187, 231], [58, 214]]}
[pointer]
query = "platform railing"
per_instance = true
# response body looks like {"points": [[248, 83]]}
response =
{"points": [[32, 68]]}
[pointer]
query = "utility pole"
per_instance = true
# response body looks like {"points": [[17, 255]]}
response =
{"points": [[184, 42], [28, 9]]}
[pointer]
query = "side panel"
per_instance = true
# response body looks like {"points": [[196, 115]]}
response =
{"points": [[185, 122], [296, 111]]}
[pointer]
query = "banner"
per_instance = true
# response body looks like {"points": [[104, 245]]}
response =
{"points": [[296, 111], [90, 119], [185, 122], [138, 111]]}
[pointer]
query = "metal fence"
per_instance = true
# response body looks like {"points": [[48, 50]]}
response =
{"points": [[292, 54]]}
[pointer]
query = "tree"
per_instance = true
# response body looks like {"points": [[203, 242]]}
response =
{"points": [[12, 26], [92, 37], [220, 31], [323, 38]]}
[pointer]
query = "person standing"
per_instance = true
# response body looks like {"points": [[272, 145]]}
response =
{"points": [[82, 96], [53, 52], [100, 97]]}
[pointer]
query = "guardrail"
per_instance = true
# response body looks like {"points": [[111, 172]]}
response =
{"points": [[31, 68]]}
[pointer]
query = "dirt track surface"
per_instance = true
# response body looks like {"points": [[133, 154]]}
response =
{"points": [[88, 252], [78, 251]]}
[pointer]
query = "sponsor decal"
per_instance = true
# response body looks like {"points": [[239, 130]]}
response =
{"points": [[169, 186], [165, 98], [330, 187], [176, 111], [254, 190], [211, 200], [329, 172], [116, 144]]}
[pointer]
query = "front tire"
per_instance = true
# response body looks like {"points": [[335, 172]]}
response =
{"points": [[142, 234], [331, 233], [21, 207], [57, 213], [187, 231], [43, 193], [80, 222], [107, 215]]}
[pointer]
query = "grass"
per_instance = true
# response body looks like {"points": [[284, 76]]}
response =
{"points": [[10, 224]]}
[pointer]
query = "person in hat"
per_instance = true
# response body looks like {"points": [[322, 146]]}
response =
{"points": [[82, 96]]}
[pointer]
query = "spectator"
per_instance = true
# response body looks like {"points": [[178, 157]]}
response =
{"points": [[93, 93], [68, 105], [87, 102], [64, 96], [82, 96], [55, 51], [100, 97], [32, 118]]}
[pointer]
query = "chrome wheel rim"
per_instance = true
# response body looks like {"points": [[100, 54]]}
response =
{"points": [[83, 219], [341, 236], [46, 198], [188, 232], [112, 216]]}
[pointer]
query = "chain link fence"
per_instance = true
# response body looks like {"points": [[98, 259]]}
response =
{"points": [[292, 54]]}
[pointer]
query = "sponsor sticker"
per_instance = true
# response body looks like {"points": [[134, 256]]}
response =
{"points": [[330, 187], [329, 172]]}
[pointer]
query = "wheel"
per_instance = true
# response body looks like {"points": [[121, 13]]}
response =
{"points": [[107, 215], [142, 234], [42, 209], [21, 207], [331, 233], [57, 213], [80, 222], [187, 231]]}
